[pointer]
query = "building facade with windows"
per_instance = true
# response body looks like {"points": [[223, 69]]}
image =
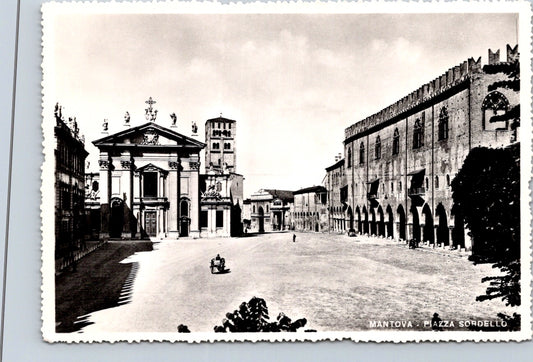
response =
{"points": [[70, 155], [399, 162], [336, 186], [310, 209], [149, 183], [271, 210]]}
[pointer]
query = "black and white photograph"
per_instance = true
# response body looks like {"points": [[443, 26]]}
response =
{"points": [[281, 172]]}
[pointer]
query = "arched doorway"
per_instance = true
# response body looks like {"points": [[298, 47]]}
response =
{"points": [[350, 218], [359, 222], [373, 224], [443, 235], [429, 236], [401, 222], [365, 223], [416, 224], [390, 222], [261, 213], [458, 232], [381, 222], [116, 219], [184, 218]]}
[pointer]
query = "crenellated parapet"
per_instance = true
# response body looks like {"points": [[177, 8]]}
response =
{"points": [[452, 78]]}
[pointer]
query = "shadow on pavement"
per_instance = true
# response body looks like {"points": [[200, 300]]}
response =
{"points": [[98, 282]]}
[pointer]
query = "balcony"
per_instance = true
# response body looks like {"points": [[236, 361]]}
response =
{"points": [[372, 196], [416, 191], [150, 200]]}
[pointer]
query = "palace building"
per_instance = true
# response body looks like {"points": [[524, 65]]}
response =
{"points": [[394, 180]]}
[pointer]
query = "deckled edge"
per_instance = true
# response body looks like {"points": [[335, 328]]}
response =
{"points": [[50, 9]]}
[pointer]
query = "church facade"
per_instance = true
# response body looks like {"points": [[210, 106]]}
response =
{"points": [[149, 183]]}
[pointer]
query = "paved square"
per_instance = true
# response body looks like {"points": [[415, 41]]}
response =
{"points": [[335, 282]]}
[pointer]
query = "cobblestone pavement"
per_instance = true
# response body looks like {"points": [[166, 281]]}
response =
{"points": [[336, 282]]}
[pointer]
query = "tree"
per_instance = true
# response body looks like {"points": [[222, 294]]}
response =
{"points": [[253, 317], [486, 191]]}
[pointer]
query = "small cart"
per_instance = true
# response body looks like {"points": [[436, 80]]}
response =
{"points": [[217, 265]]}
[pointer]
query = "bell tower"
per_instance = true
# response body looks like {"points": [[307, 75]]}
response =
{"points": [[221, 151]]}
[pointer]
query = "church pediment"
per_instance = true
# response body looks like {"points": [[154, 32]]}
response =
{"points": [[149, 135]]}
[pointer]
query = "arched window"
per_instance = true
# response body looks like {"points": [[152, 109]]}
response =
{"points": [[362, 153], [396, 142], [436, 182], [378, 148], [448, 180], [418, 134], [495, 104], [443, 124], [392, 187], [400, 186], [267, 207], [219, 186], [349, 157], [253, 207], [427, 183]]}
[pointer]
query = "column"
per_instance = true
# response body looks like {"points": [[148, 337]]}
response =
{"points": [[194, 192], [173, 195], [105, 180]]}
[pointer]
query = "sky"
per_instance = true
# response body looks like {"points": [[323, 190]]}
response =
{"points": [[293, 82]]}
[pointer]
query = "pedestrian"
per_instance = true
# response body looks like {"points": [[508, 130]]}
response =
{"points": [[293, 238], [436, 322]]}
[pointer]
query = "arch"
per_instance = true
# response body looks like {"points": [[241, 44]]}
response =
{"points": [[366, 229], [458, 231], [402, 222], [381, 222], [415, 224], [390, 222], [443, 235], [184, 218], [359, 222], [494, 104], [350, 218], [116, 219], [428, 233], [261, 213], [373, 223]]}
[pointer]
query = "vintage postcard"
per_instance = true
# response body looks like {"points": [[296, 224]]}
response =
{"points": [[286, 171]]}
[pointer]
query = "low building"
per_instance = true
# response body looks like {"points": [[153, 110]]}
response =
{"points": [[310, 209], [271, 210]]}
